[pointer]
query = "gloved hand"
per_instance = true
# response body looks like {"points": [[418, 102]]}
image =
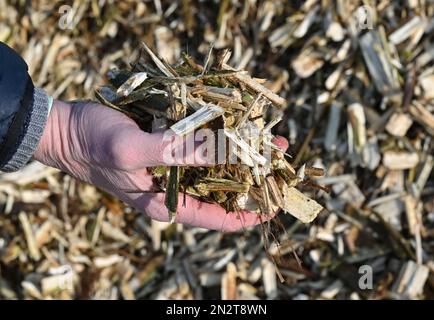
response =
{"points": [[103, 147]]}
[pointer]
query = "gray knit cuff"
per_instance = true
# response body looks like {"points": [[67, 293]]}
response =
{"points": [[35, 127]]}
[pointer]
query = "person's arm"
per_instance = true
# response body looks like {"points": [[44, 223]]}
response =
{"points": [[24, 111], [97, 145]]}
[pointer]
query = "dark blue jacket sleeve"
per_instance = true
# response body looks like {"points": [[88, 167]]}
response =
{"points": [[23, 111]]}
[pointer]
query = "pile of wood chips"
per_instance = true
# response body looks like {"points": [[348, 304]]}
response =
{"points": [[357, 77], [253, 173]]}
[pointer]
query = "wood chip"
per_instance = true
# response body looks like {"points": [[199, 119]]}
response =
{"points": [[400, 160], [398, 124], [30, 237], [300, 206], [411, 280], [229, 283]]}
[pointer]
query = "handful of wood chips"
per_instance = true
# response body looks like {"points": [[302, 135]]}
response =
{"points": [[254, 174]]}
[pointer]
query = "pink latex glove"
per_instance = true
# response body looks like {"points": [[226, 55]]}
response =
{"points": [[103, 147]]}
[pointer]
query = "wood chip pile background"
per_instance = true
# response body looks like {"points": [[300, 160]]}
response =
{"points": [[358, 83]]}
